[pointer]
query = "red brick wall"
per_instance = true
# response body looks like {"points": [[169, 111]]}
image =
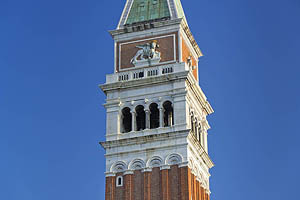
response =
{"points": [[169, 184], [186, 52]]}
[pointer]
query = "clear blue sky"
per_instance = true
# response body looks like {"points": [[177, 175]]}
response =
{"points": [[53, 54]]}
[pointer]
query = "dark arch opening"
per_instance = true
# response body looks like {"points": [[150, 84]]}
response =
{"points": [[140, 118], [199, 134], [168, 114], [154, 116], [196, 128], [127, 120], [192, 123]]}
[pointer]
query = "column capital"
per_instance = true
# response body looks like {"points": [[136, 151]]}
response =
{"points": [[147, 110], [133, 112]]}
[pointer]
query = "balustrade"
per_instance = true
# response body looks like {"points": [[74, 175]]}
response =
{"points": [[146, 72]]}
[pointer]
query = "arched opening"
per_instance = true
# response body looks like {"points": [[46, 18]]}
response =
{"points": [[140, 118], [127, 120], [196, 128], [154, 116], [119, 182], [168, 114], [199, 134]]}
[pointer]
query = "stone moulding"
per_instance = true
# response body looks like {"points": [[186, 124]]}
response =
{"points": [[143, 139], [200, 151]]}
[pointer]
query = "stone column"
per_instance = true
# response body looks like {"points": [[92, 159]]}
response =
{"points": [[147, 118], [133, 121], [161, 117]]}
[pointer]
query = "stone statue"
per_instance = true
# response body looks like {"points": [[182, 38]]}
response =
{"points": [[147, 53]]}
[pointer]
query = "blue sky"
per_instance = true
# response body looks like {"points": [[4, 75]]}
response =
{"points": [[53, 54]]}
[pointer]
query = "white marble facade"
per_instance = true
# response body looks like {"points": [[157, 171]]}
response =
{"points": [[162, 146], [183, 142]]}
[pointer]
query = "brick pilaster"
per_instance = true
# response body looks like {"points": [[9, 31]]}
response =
{"points": [[110, 188], [184, 189], [128, 183], [197, 191]]}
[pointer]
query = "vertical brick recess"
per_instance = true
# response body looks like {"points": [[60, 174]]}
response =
{"points": [[165, 184], [138, 185], [193, 186], [174, 176], [197, 190], [155, 184], [202, 193], [147, 186], [189, 184]]}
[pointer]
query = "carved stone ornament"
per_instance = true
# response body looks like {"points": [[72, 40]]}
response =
{"points": [[146, 55]]}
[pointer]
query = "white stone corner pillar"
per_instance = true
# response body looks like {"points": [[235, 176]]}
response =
{"points": [[120, 123], [205, 141]]}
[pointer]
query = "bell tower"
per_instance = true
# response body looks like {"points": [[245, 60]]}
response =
{"points": [[156, 132]]}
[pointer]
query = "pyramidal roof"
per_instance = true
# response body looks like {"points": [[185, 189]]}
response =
{"points": [[136, 11]]}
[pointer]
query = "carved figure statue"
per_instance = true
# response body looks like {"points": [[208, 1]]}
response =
{"points": [[147, 51]]}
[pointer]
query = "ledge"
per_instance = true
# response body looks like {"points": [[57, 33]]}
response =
{"points": [[200, 150], [143, 139]]}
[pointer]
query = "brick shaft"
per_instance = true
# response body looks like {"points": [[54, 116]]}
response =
{"points": [[169, 184]]}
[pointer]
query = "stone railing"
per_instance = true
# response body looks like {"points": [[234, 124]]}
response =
{"points": [[146, 72]]}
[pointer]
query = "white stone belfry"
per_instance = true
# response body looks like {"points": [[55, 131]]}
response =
{"points": [[155, 109]]}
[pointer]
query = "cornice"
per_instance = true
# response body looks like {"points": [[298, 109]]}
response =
{"points": [[153, 25], [200, 151], [144, 139], [143, 26], [194, 86], [144, 82], [191, 38]]}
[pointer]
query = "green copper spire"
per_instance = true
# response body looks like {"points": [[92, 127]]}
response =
{"points": [[144, 10]]}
